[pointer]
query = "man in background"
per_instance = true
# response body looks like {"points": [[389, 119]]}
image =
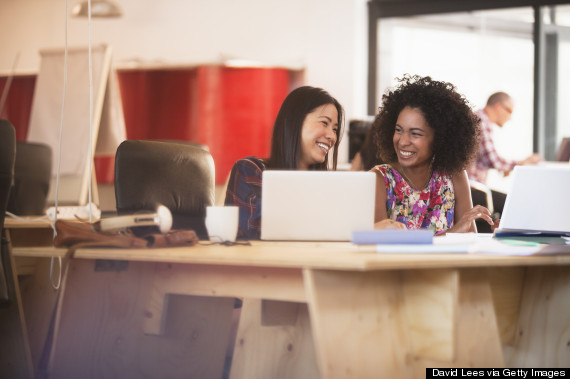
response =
{"points": [[497, 111]]}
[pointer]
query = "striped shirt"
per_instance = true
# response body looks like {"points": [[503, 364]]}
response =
{"points": [[487, 156]]}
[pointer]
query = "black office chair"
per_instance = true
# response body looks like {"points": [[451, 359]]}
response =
{"points": [[32, 175], [7, 157], [175, 174], [15, 359], [481, 195]]}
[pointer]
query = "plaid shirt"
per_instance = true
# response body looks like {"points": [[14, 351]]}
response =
{"points": [[244, 190], [487, 156]]}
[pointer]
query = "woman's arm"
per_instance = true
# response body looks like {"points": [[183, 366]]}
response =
{"points": [[244, 190], [465, 214], [381, 220]]}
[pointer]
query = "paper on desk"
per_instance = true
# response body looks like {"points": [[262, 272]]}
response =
{"points": [[458, 238], [450, 243], [469, 243], [554, 249], [495, 246]]}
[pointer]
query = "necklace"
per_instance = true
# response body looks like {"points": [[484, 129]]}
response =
{"points": [[410, 181]]}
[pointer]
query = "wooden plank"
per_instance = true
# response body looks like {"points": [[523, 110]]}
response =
{"points": [[478, 339], [39, 302], [23, 237], [430, 308], [477, 342], [397, 324], [25, 265], [334, 256], [278, 313], [506, 288], [208, 280], [99, 329], [358, 324], [277, 351], [543, 332], [39, 252], [15, 355], [28, 222], [331, 255]]}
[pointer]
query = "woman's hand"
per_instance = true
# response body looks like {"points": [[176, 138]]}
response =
{"points": [[389, 224], [463, 225]]}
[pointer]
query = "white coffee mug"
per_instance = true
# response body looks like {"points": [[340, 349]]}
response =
{"points": [[222, 223]]}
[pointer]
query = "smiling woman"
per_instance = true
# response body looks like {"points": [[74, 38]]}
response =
{"points": [[319, 133], [305, 133], [427, 134]]}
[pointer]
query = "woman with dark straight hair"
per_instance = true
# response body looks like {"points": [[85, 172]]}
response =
{"points": [[306, 131]]}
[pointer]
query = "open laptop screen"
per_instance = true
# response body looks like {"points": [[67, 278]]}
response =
{"points": [[538, 200], [316, 205]]}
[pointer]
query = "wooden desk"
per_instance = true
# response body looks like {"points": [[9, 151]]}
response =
{"points": [[336, 309], [29, 231], [35, 296]]}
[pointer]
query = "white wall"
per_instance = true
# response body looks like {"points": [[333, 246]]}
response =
{"points": [[326, 37]]}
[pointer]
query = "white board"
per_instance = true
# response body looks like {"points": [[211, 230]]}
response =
{"points": [[46, 117]]}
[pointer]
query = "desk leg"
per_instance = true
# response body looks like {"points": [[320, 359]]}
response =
{"points": [[476, 342], [15, 357], [358, 324], [269, 345], [398, 323], [39, 301], [478, 338], [507, 286], [543, 334]]}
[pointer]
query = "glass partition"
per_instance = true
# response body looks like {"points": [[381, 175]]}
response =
{"points": [[481, 52]]}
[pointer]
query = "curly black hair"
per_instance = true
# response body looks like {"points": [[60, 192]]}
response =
{"points": [[448, 113]]}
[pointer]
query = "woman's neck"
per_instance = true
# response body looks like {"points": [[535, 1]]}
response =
{"points": [[417, 177]]}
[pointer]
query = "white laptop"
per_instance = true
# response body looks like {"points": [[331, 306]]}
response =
{"points": [[538, 201], [316, 205]]}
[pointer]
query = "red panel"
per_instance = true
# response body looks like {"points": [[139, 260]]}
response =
{"points": [[172, 99], [104, 169], [157, 103], [18, 106], [134, 93], [236, 108]]}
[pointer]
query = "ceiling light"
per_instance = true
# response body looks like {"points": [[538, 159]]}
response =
{"points": [[99, 8]]}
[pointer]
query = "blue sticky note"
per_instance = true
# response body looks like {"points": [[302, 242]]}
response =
{"points": [[391, 236]]}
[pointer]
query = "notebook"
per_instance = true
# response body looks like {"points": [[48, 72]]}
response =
{"points": [[538, 201], [316, 205]]}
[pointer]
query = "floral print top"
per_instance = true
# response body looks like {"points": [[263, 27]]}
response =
{"points": [[431, 208]]}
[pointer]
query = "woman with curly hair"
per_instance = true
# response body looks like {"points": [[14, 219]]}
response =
{"points": [[427, 134]]}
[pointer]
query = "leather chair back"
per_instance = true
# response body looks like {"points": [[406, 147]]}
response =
{"points": [[7, 157], [177, 175], [32, 175]]}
